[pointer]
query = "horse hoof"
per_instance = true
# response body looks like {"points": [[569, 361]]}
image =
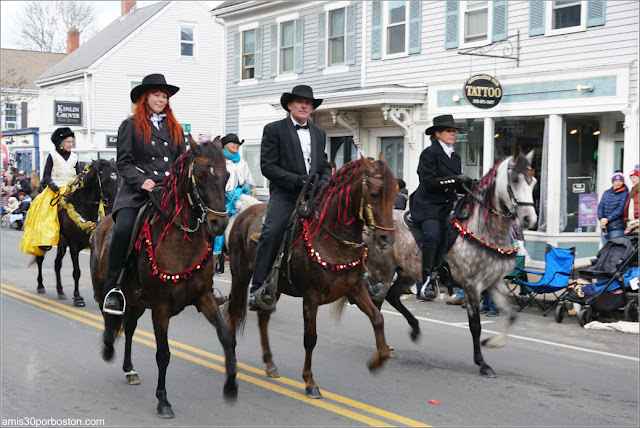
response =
{"points": [[78, 302], [107, 353], [313, 392], [40, 290], [132, 378], [62, 296], [393, 353], [415, 335], [165, 412], [272, 372], [487, 371], [230, 391]]}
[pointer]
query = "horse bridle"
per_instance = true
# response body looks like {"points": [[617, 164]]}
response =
{"points": [[366, 210], [199, 202]]}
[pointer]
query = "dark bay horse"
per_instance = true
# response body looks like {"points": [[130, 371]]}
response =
{"points": [[172, 266], [481, 256], [326, 259], [88, 199]]}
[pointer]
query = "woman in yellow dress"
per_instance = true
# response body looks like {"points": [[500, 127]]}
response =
{"points": [[42, 228]]}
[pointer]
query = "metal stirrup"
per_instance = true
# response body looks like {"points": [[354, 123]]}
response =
{"points": [[113, 311]]}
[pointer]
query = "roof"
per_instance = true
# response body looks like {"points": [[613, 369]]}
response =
{"points": [[20, 68], [96, 47], [236, 5]]}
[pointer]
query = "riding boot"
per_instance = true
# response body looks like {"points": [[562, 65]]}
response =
{"points": [[429, 274]]}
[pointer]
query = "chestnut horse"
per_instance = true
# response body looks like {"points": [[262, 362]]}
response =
{"points": [[326, 256], [172, 267], [89, 197]]}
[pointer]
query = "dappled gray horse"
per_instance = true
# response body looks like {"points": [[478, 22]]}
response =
{"points": [[480, 257]]}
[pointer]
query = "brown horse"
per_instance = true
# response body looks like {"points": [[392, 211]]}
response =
{"points": [[172, 267], [89, 198], [326, 258]]}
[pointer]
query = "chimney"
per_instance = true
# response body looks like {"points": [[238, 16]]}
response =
{"points": [[73, 40], [126, 7]]}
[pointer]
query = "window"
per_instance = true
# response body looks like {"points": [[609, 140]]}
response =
{"points": [[248, 54], [11, 115], [287, 41], [562, 17], [187, 41], [565, 14], [396, 18], [343, 150], [336, 36], [476, 18], [393, 149], [251, 154]]}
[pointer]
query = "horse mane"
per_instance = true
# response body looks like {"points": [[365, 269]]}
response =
{"points": [[79, 189], [484, 190]]}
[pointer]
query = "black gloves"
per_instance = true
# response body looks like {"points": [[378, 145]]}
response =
{"points": [[54, 188], [300, 182], [464, 180]]}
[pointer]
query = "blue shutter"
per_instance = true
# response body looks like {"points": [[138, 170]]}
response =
{"points": [[237, 55], [595, 13], [298, 51], [274, 51], [322, 40], [499, 21], [350, 36], [258, 58], [536, 18], [415, 26], [376, 30], [451, 26]]}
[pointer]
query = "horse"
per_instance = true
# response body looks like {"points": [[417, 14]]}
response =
{"points": [[326, 258], [89, 197], [171, 267], [481, 256]]}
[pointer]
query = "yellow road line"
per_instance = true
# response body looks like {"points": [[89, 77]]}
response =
{"points": [[87, 317]]}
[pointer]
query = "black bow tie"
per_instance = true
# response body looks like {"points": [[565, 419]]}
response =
{"points": [[302, 126]]}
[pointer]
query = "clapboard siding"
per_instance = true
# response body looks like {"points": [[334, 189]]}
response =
{"points": [[268, 88], [615, 42]]}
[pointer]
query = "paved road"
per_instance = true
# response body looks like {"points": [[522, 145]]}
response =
{"points": [[549, 374]]}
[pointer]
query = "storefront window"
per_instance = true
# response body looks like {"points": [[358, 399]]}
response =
{"points": [[469, 142], [582, 133]]}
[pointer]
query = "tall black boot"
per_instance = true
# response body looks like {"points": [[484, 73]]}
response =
{"points": [[429, 275]]}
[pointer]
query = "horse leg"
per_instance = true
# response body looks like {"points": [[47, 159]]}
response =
{"points": [[39, 261], [263, 322], [62, 250], [112, 325], [160, 317], [131, 323], [206, 304], [499, 298], [393, 297], [310, 312], [361, 298], [77, 298], [473, 312]]}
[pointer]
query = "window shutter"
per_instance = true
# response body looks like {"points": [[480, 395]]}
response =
{"points": [[376, 30], [298, 46], [322, 40], [499, 21], [258, 59], [451, 26], [274, 51], [415, 26], [595, 13], [350, 37], [237, 55], [536, 18], [24, 115]]}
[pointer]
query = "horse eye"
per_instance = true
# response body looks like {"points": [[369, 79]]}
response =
{"points": [[114, 176], [375, 196]]}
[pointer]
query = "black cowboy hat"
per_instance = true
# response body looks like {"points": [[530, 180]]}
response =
{"points": [[152, 81], [440, 122], [231, 138], [61, 134], [303, 91]]}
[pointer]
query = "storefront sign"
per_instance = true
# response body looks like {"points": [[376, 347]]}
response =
{"points": [[112, 141], [587, 209], [482, 91], [67, 113]]}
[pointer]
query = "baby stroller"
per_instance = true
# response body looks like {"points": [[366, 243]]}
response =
{"points": [[603, 287]]}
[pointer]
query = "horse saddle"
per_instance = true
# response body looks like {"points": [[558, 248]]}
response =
{"points": [[255, 228]]}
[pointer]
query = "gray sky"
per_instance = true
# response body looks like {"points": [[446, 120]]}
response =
{"points": [[106, 11]]}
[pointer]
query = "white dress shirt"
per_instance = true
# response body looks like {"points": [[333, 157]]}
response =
{"points": [[305, 144]]}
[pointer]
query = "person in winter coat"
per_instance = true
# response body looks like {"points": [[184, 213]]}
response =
{"points": [[631, 206], [9, 189], [611, 208], [403, 195]]}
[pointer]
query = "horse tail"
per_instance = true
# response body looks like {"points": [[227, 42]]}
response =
{"points": [[337, 308], [32, 262], [234, 312]]}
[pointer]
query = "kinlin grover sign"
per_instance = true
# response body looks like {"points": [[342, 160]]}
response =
{"points": [[67, 113], [482, 91]]}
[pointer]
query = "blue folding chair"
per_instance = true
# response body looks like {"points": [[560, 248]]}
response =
{"points": [[555, 278]]}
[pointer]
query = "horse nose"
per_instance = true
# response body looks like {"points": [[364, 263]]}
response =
{"points": [[385, 241]]}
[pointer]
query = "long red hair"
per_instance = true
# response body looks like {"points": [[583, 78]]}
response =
{"points": [[142, 114]]}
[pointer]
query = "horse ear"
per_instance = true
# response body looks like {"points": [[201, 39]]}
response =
{"points": [[194, 146], [218, 142], [529, 156], [367, 164]]}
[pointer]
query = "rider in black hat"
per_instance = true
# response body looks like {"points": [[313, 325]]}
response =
{"points": [[440, 173], [292, 150]]}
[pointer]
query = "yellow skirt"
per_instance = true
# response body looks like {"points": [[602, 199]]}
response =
{"points": [[42, 227]]}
